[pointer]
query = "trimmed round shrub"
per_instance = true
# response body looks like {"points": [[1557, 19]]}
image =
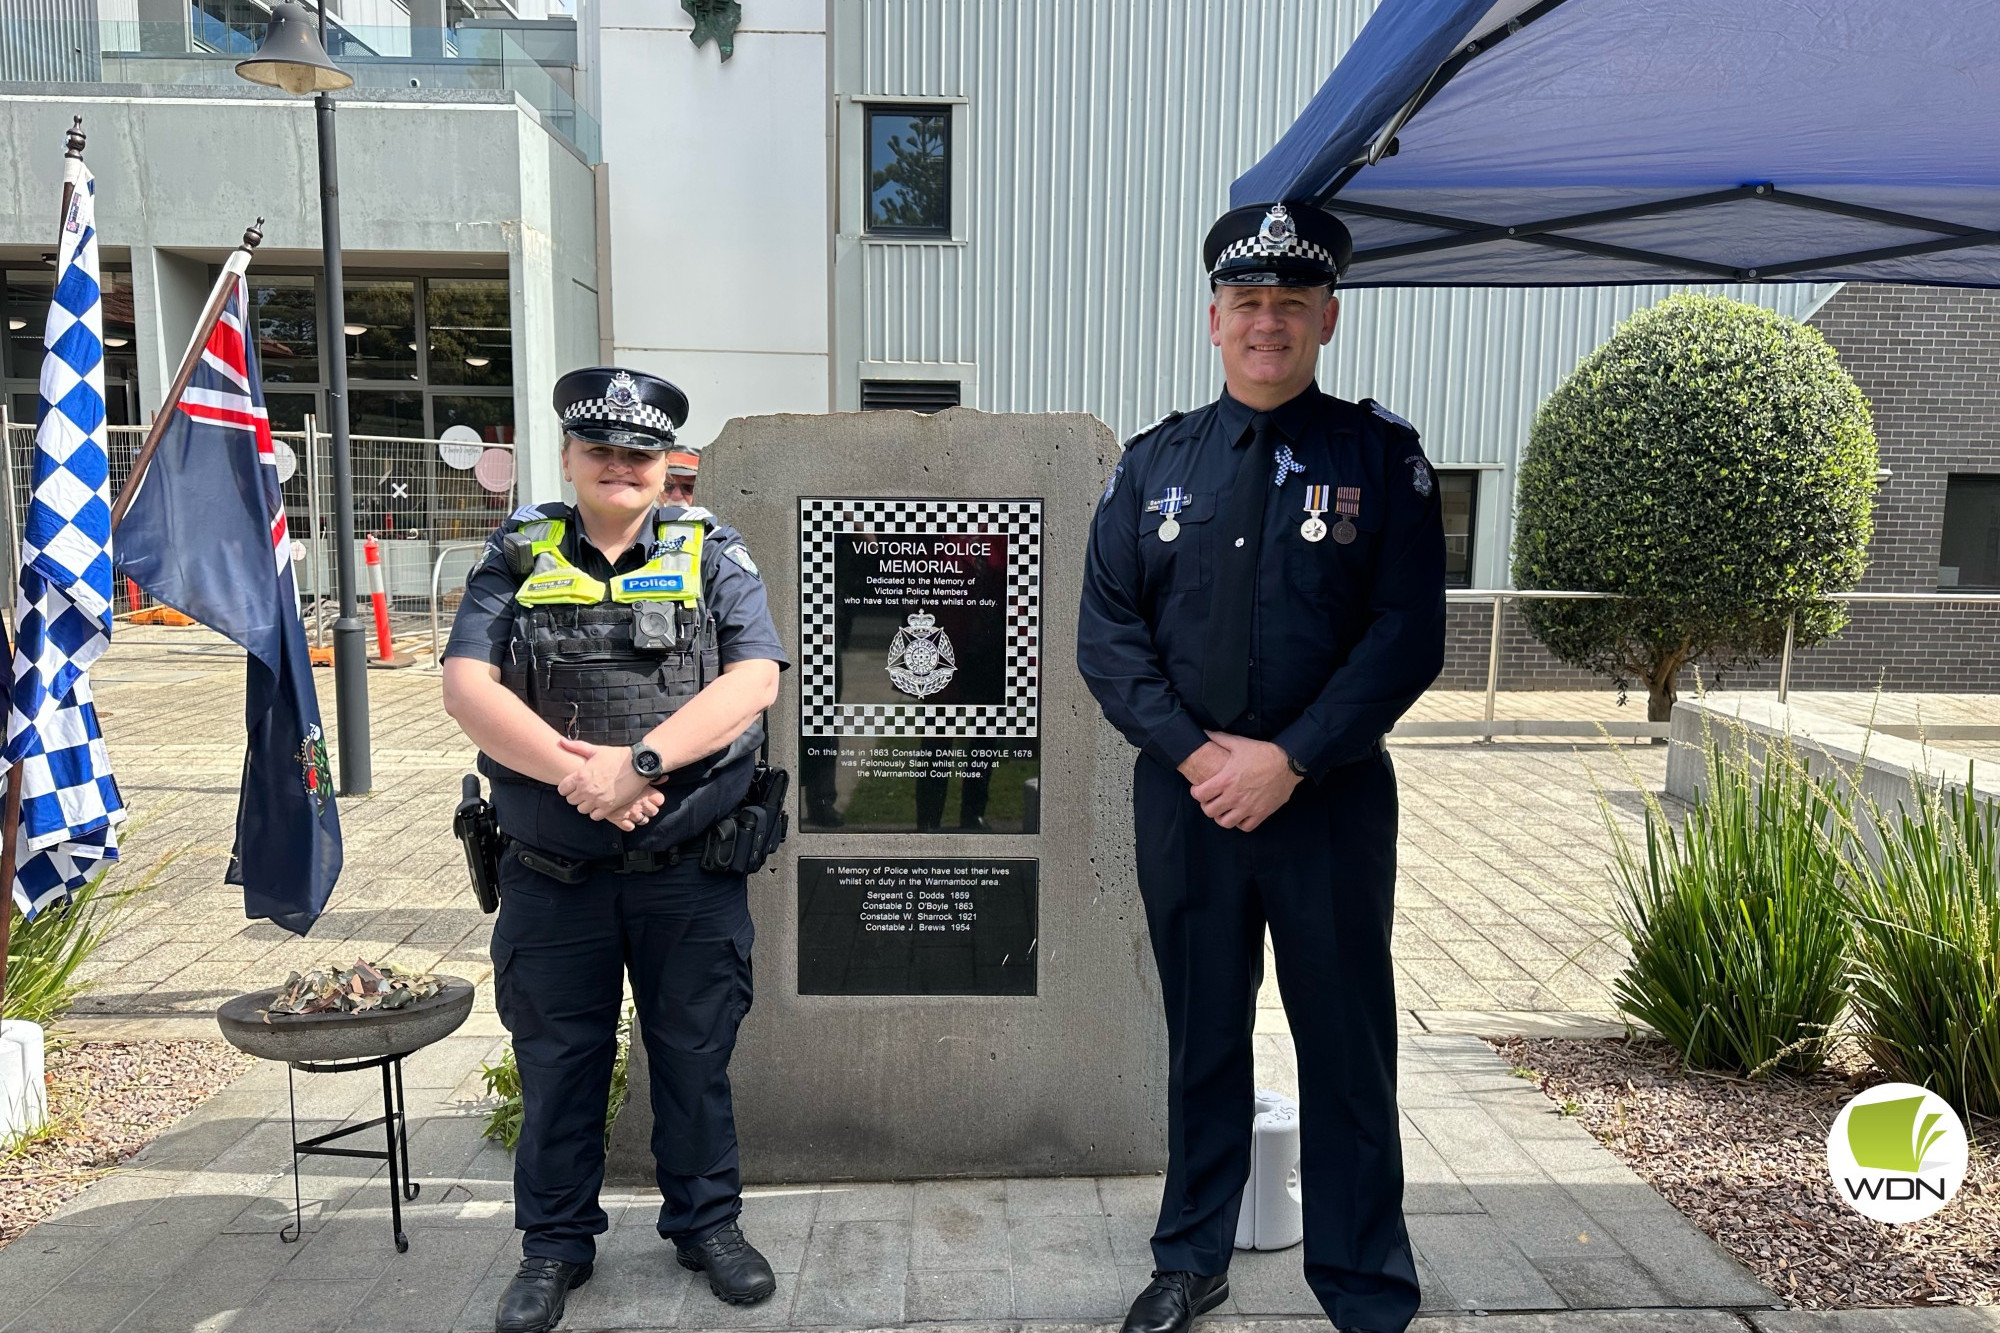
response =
{"points": [[1713, 463]]}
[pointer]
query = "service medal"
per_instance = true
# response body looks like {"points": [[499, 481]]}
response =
{"points": [[1347, 503], [1314, 529], [1170, 503]]}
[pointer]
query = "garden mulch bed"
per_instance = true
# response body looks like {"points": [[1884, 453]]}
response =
{"points": [[107, 1100], [1746, 1162]]}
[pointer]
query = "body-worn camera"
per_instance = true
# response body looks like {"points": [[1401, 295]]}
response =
{"points": [[655, 626]]}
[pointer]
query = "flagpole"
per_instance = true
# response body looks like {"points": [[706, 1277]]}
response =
{"points": [[233, 268], [10, 811]]}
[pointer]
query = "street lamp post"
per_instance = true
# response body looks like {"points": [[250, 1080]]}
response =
{"points": [[293, 57]]}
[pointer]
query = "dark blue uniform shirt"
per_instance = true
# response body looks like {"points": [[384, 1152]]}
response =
{"points": [[1344, 636], [733, 590]]}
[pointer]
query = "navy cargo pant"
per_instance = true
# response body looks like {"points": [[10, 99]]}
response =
{"points": [[1322, 873], [560, 952]]}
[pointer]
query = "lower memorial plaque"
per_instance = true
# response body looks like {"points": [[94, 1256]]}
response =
{"points": [[940, 926]]}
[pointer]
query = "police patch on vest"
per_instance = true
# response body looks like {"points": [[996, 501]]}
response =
{"points": [[921, 661], [1420, 474], [636, 583], [667, 547], [741, 555]]}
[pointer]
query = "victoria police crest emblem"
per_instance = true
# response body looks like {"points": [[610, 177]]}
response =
{"points": [[1278, 230], [623, 390], [921, 661]]}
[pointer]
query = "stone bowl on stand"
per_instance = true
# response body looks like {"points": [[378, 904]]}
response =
{"points": [[324, 1038]]}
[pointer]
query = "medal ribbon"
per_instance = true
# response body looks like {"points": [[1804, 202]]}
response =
{"points": [[1349, 501], [1316, 500]]}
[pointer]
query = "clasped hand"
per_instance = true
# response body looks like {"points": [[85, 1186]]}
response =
{"points": [[1239, 782], [606, 786]]}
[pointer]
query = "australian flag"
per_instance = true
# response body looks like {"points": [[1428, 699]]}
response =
{"points": [[206, 535]]}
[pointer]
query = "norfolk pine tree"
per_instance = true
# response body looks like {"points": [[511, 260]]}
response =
{"points": [[1713, 463]]}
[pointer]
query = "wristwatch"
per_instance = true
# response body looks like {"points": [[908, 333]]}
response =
{"points": [[646, 762], [1299, 770]]}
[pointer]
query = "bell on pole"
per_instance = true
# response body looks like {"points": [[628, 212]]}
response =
{"points": [[292, 56]]}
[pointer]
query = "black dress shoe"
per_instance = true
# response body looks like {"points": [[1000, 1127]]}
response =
{"points": [[1172, 1300], [534, 1300], [736, 1272]]}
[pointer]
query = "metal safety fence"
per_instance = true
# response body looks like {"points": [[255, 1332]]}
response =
{"points": [[424, 500]]}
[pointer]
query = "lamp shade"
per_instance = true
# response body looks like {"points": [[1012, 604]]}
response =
{"points": [[292, 57]]}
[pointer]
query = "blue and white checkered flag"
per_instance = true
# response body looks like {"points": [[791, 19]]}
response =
{"points": [[70, 807]]}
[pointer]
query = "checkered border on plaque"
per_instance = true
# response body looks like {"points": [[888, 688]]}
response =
{"points": [[823, 521]]}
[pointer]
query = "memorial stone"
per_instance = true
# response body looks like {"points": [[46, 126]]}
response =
{"points": [[953, 976]]}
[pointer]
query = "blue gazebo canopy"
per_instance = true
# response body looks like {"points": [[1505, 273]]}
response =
{"points": [[1569, 142]]}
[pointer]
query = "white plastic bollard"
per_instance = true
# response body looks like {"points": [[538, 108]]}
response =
{"points": [[24, 1097], [1272, 1216]]}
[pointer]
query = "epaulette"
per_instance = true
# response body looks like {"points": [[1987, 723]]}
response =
{"points": [[1387, 415], [1167, 420], [529, 513]]}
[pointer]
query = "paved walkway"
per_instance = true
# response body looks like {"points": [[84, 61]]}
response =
{"points": [[1502, 926], [1511, 1208], [1502, 906]]}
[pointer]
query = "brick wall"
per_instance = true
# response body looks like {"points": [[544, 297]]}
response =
{"points": [[1928, 358]]}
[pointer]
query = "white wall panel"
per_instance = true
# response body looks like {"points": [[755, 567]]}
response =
{"points": [[718, 206]]}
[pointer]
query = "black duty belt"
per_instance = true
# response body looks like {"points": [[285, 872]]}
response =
{"points": [[566, 871]]}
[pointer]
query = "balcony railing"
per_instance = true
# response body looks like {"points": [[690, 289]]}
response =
{"points": [[407, 58]]}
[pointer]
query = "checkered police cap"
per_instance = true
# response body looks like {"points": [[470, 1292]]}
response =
{"points": [[1277, 245], [628, 408]]}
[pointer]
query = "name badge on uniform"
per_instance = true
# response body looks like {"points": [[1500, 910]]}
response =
{"points": [[1314, 529], [1169, 504], [1346, 503]]}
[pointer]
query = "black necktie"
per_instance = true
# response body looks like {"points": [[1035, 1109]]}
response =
{"points": [[1225, 676]]}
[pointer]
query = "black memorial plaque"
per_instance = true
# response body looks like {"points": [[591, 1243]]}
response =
{"points": [[920, 689], [944, 926]]}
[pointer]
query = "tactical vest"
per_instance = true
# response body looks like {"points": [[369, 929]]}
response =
{"points": [[606, 661]]}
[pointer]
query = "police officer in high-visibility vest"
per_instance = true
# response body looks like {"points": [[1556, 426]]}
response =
{"points": [[611, 660], [1263, 597]]}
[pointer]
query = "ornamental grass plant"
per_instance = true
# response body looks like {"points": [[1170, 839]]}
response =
{"points": [[1737, 922], [1925, 980], [45, 956]]}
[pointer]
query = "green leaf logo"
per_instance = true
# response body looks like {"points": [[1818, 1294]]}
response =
{"points": [[1896, 1153], [1886, 1137]]}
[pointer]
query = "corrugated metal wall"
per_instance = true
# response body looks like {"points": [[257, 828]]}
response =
{"points": [[1099, 142], [49, 41]]}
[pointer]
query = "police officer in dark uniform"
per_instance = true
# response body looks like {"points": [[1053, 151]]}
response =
{"points": [[1264, 597], [612, 660]]}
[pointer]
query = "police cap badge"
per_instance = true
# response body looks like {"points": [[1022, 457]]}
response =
{"points": [[1277, 245]]}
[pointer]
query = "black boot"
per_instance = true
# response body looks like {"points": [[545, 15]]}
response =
{"points": [[533, 1301], [736, 1272], [1172, 1300]]}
